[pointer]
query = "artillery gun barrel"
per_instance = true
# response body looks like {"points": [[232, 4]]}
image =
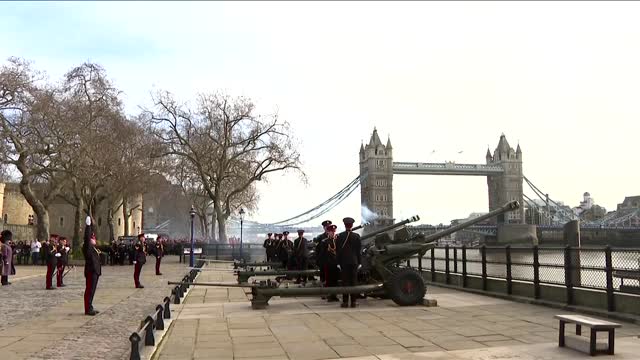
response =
{"points": [[510, 206], [211, 284], [390, 227]]}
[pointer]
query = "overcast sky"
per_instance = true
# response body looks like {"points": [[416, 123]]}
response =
{"points": [[562, 79]]}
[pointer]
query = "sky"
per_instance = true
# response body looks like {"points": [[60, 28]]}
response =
{"points": [[561, 79]]}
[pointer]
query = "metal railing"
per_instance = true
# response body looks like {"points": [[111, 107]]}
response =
{"points": [[250, 252], [613, 270], [145, 336]]}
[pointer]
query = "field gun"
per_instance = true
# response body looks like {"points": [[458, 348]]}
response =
{"points": [[379, 276], [250, 265]]}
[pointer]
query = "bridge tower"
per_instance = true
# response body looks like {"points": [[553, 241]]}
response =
{"points": [[508, 185], [376, 182]]}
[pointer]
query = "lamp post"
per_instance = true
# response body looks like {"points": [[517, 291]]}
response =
{"points": [[192, 212], [241, 220]]}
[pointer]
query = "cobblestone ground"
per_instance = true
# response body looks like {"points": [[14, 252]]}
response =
{"points": [[41, 324]]}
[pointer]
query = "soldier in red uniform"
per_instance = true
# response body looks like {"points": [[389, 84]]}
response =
{"points": [[63, 259], [52, 254], [159, 254]]}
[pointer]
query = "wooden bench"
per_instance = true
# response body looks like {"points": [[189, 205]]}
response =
{"points": [[595, 325]]}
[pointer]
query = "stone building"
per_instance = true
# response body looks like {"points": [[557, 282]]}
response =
{"points": [[508, 185], [18, 216], [376, 183]]}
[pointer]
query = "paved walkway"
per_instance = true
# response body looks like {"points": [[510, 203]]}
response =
{"points": [[218, 323], [41, 324]]}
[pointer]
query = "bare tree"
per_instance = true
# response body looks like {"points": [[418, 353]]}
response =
{"points": [[229, 147], [34, 133]]}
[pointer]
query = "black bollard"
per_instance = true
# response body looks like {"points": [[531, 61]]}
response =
{"points": [[135, 346], [167, 311], [159, 317], [149, 339]]}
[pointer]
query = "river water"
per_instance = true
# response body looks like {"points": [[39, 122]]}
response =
{"points": [[592, 264]]}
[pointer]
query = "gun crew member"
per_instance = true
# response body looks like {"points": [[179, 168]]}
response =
{"points": [[139, 259], [92, 266], [320, 251], [300, 252], [269, 247], [349, 261], [331, 267], [63, 261]]}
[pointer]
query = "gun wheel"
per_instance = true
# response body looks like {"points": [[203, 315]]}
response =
{"points": [[406, 287]]}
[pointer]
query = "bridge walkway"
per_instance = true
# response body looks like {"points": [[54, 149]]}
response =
{"points": [[219, 323]]}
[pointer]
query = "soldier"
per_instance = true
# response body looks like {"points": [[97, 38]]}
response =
{"points": [[159, 254], [63, 260], [139, 259], [268, 247], [300, 252], [320, 251], [92, 266], [287, 252], [349, 261], [52, 254], [331, 265]]}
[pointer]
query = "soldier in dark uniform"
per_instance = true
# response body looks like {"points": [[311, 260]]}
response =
{"points": [[122, 252], [283, 250], [349, 260], [52, 254], [92, 266], [132, 252], [288, 245], [320, 251], [268, 247], [159, 254], [139, 259], [331, 265], [300, 252], [63, 261]]}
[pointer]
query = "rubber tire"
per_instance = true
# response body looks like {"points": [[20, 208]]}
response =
{"points": [[396, 293]]}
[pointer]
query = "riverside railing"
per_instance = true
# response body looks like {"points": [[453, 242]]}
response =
{"points": [[614, 271], [145, 335]]}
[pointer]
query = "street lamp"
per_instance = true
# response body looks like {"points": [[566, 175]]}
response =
{"points": [[241, 219], [192, 212]]}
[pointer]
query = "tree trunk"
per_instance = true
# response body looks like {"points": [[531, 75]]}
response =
{"points": [[77, 225], [125, 215], [42, 214], [214, 222], [222, 228]]}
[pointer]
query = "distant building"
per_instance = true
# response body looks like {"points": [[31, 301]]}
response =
{"points": [[19, 217], [630, 202]]}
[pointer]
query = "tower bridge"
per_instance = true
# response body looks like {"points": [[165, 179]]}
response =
{"points": [[503, 170], [506, 182]]}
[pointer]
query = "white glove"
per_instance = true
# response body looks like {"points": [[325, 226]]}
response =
{"points": [[67, 248], [135, 262], [88, 221], [359, 266], [339, 268], [58, 255]]}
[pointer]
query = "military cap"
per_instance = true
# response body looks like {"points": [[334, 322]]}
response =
{"points": [[348, 221], [269, 234], [285, 233], [326, 223], [140, 235], [332, 228], [300, 231]]}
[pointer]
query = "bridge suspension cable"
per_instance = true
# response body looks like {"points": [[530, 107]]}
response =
{"points": [[323, 207]]}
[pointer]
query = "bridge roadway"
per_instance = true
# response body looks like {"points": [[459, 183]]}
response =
{"points": [[40, 324], [219, 323]]}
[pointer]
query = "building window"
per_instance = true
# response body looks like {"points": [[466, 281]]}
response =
{"points": [[6, 218], [61, 221], [99, 221], [119, 222], [134, 224]]}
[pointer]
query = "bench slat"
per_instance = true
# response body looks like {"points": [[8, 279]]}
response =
{"points": [[589, 322]]}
